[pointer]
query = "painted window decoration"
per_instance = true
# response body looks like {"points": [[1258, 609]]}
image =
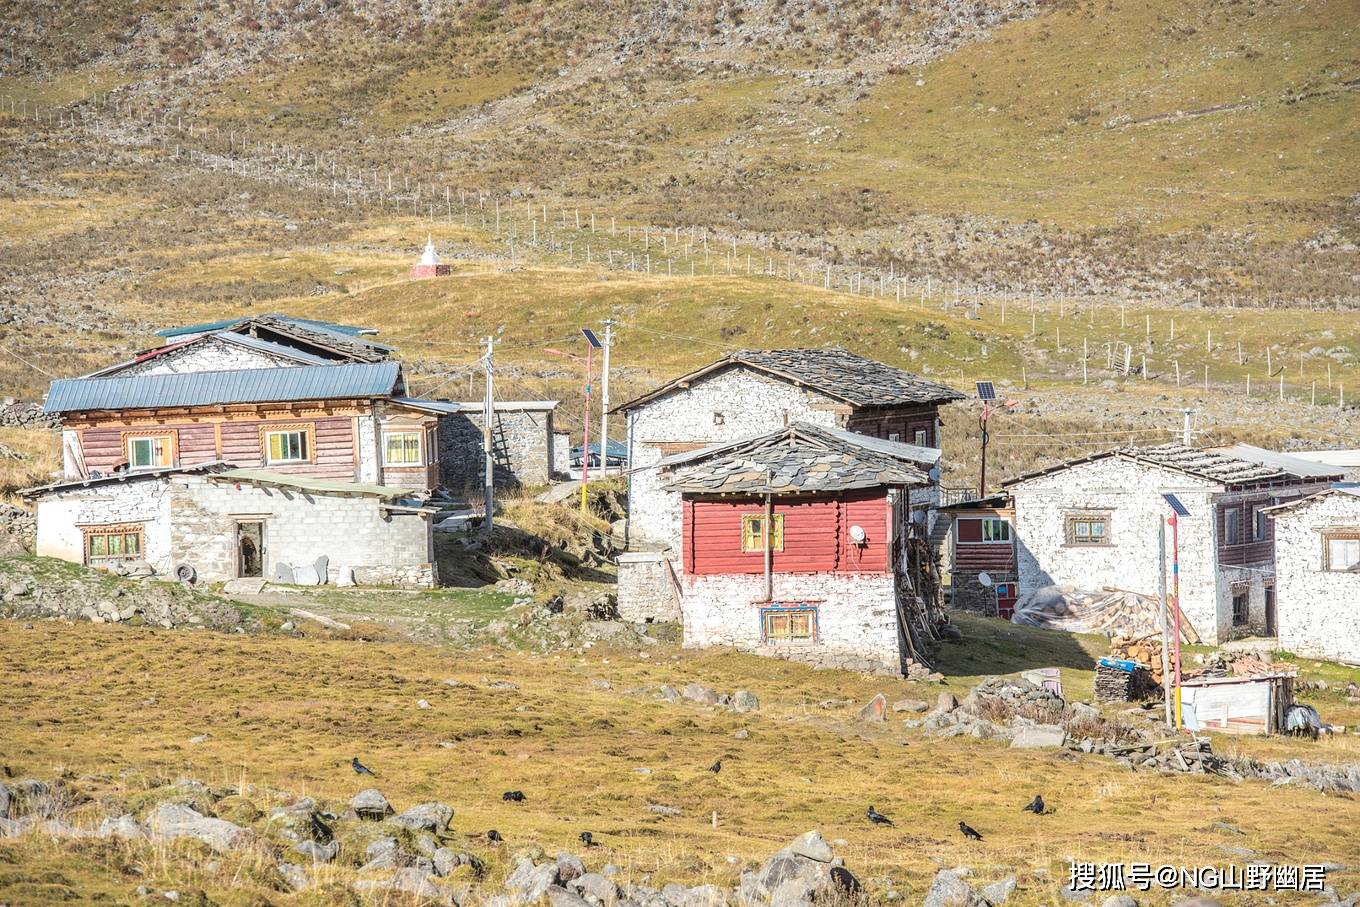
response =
{"points": [[151, 451], [402, 448], [753, 532], [1232, 529], [789, 625], [104, 544], [1088, 529], [291, 445], [1342, 551]]}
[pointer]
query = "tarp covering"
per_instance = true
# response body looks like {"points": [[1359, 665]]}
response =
{"points": [[1113, 612]]}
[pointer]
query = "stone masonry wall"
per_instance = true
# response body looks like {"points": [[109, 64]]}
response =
{"points": [[350, 531], [1317, 611], [522, 449], [210, 355], [750, 403], [1132, 493], [645, 590], [61, 516], [967, 594], [857, 617]]}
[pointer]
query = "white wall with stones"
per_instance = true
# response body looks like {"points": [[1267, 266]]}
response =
{"points": [[857, 617], [210, 355], [61, 516], [645, 589], [1317, 611], [751, 404], [1132, 494]]}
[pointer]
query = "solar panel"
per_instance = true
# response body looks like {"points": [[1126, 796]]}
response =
{"points": [[591, 338], [1176, 506], [986, 390]]}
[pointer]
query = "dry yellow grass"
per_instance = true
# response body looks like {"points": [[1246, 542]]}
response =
{"points": [[115, 707]]}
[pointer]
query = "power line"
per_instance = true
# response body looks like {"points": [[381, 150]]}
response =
{"points": [[37, 368]]}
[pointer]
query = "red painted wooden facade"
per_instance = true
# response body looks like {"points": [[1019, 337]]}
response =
{"points": [[817, 536], [972, 553]]}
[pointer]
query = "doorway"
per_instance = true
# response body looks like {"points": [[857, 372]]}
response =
{"points": [[1270, 611], [250, 549]]}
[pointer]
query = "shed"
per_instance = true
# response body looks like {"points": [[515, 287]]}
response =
{"points": [[1254, 704]]}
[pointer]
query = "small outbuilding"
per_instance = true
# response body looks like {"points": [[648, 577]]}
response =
{"points": [[1317, 574]]}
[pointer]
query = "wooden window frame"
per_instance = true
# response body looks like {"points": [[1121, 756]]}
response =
{"points": [[121, 530], [1070, 521], [1338, 535], [1235, 514], [1243, 596], [754, 542], [1010, 530], [131, 436], [307, 429], [790, 611], [422, 442], [921, 437]]}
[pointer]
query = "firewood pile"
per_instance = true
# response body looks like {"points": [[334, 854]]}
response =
{"points": [[1146, 650], [1114, 612], [1240, 664], [1193, 755]]}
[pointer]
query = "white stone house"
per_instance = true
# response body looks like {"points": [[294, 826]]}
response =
{"points": [[1317, 574], [217, 524], [751, 392], [1092, 523], [794, 546]]}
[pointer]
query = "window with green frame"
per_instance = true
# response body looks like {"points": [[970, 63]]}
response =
{"points": [[113, 543]]}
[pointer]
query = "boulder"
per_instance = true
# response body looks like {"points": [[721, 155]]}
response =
{"points": [[6, 801], [745, 701], [1040, 736], [813, 846], [528, 883], [417, 882], [318, 853], [1000, 892], [668, 693], [795, 892], [425, 817], [700, 693], [175, 820], [125, 827], [948, 890], [382, 853], [294, 876], [562, 897], [446, 860], [876, 709], [569, 867], [946, 702], [703, 896], [596, 888], [371, 804], [910, 705]]}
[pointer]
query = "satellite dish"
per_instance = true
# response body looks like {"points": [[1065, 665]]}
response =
{"points": [[985, 579], [857, 535], [934, 474]]}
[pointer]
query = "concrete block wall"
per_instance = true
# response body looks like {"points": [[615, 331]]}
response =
{"points": [[750, 403], [522, 443], [645, 589], [1317, 611], [350, 531], [857, 617]]}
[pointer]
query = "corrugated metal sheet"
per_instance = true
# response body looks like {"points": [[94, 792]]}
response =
{"points": [[349, 329], [257, 385]]}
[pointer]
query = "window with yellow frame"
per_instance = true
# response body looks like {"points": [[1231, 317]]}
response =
{"points": [[753, 532], [150, 451]]}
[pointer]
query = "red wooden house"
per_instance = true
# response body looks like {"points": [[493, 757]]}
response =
{"points": [[793, 545]]}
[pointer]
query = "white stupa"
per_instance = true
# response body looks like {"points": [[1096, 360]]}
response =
{"points": [[429, 265]]}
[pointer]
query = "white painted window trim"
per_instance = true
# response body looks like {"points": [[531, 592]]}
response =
{"points": [[306, 444]]}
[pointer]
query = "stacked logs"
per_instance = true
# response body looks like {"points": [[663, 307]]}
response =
{"points": [[1146, 650]]}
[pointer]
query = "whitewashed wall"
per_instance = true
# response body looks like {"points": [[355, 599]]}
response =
{"points": [[61, 516], [857, 617], [751, 403], [210, 355], [1132, 492], [1317, 611]]}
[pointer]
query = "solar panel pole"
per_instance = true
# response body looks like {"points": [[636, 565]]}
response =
{"points": [[604, 398], [489, 472], [1161, 582]]}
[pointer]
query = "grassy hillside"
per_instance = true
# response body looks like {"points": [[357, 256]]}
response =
{"points": [[287, 714]]}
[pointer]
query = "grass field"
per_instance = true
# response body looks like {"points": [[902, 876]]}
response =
{"points": [[113, 708]]}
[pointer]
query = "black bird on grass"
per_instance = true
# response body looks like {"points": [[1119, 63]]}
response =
{"points": [[1035, 806], [878, 818], [494, 836], [360, 768], [716, 767], [587, 839], [969, 833], [513, 796]]}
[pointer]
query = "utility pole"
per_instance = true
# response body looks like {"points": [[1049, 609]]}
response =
{"points": [[1187, 414], [488, 414], [604, 398], [1164, 605]]}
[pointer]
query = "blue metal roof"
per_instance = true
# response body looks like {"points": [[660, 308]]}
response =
{"points": [[254, 385], [206, 327]]}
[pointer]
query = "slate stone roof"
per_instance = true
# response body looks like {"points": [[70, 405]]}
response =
{"points": [[833, 371], [1236, 466], [800, 459]]}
